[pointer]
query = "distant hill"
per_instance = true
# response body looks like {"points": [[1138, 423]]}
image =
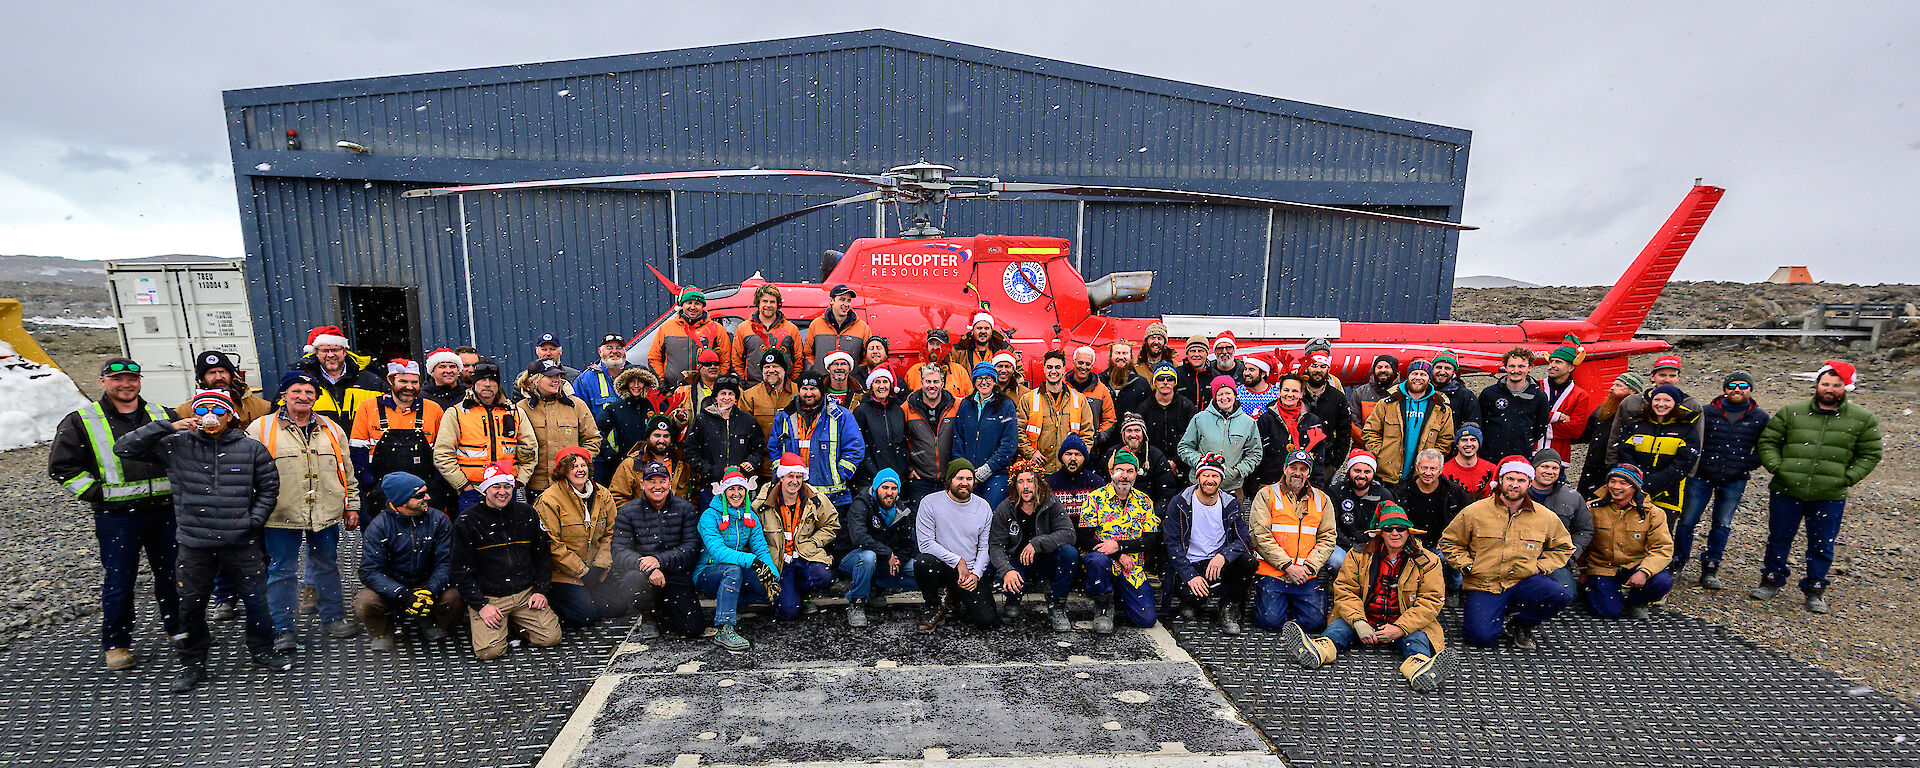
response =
{"points": [[53, 269], [1490, 281]]}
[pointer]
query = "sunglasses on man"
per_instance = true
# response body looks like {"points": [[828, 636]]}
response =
{"points": [[1739, 386], [1395, 529], [213, 409]]}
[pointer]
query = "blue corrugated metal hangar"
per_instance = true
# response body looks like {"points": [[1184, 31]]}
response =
{"points": [[320, 169]]}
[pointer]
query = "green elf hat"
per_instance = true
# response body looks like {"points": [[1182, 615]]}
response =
{"points": [[690, 294], [1571, 351], [1390, 514]]}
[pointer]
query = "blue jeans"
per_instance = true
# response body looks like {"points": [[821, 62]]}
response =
{"points": [[1454, 577], [1057, 567], [1535, 599], [283, 577], [730, 585], [1725, 498], [995, 489], [1334, 561], [1785, 515], [1136, 602], [123, 537], [1343, 637], [799, 579], [1610, 596], [863, 566], [1276, 602]]}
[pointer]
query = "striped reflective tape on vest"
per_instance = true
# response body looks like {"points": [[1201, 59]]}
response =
{"points": [[114, 483]]}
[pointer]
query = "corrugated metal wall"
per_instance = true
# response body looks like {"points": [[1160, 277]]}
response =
{"points": [[572, 262]]}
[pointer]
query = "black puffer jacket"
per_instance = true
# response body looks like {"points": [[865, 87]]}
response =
{"points": [[670, 535], [714, 443], [1337, 419], [499, 552], [1728, 452], [223, 487], [883, 427], [867, 529]]}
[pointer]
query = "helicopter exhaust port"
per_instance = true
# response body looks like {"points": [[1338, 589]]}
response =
{"points": [[1119, 288]]}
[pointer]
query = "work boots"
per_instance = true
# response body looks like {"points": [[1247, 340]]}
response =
{"points": [[120, 658], [224, 611], [1057, 616], [1816, 601], [1308, 652], [1103, 614], [1709, 577], [1764, 591], [1426, 673], [856, 615], [188, 678], [1230, 620], [1011, 609], [1523, 637]]}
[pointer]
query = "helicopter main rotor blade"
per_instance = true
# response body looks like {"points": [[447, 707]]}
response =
{"points": [[717, 245], [588, 181], [1209, 198]]}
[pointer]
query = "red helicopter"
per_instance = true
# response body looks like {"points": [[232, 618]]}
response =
{"points": [[926, 279]]}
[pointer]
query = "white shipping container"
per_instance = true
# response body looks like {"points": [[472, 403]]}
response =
{"points": [[171, 308]]}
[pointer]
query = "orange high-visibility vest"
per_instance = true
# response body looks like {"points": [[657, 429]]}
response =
{"points": [[486, 436], [1294, 530]]}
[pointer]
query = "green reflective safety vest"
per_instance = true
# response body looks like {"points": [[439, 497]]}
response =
{"points": [[114, 485]]}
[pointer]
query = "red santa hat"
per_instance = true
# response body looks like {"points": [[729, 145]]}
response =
{"points": [[790, 464], [1840, 368], [442, 355], [878, 374], [496, 473], [325, 336], [1225, 337], [1516, 464], [1260, 362], [981, 317], [1006, 357], [1360, 456], [836, 355], [400, 365]]}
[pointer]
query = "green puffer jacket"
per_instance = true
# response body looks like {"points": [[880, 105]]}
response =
{"points": [[1817, 456]]}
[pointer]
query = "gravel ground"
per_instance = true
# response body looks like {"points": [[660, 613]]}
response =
{"points": [[49, 564]]}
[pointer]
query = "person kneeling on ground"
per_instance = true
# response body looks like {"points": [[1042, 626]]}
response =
{"points": [[1389, 590], [503, 563], [801, 523], [1508, 547], [1124, 529], [1293, 530], [578, 515], [406, 562], [736, 565], [1626, 565], [880, 526], [1206, 537], [953, 530], [1033, 538], [656, 542]]}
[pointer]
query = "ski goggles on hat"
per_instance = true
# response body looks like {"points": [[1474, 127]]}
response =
{"points": [[213, 409], [112, 368]]}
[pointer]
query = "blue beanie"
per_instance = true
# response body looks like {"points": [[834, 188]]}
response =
{"points": [[400, 485], [1470, 428], [297, 376], [984, 368], [1073, 443], [887, 476], [1669, 390]]}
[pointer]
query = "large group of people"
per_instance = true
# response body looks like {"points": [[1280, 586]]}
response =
{"points": [[779, 463]]}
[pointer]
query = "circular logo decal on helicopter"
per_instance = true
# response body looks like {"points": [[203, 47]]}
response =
{"points": [[1024, 281]]}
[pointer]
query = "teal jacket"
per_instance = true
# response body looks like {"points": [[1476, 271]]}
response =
{"points": [[739, 542], [1817, 455]]}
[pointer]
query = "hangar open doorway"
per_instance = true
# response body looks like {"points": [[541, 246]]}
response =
{"points": [[382, 322]]}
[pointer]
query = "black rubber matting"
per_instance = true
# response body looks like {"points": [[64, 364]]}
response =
{"points": [[342, 704], [1674, 691], [807, 691]]}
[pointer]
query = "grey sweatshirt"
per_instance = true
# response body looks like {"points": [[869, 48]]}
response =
{"points": [[950, 530]]}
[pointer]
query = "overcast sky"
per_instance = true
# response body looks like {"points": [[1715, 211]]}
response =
{"points": [[1589, 122]]}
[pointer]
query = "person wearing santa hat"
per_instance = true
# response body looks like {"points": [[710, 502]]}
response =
{"points": [[395, 433], [345, 379], [839, 329], [1325, 398], [1355, 495], [883, 427], [444, 383], [217, 521], [1225, 360], [1816, 449], [503, 566], [1224, 429], [839, 384], [802, 526], [981, 343], [824, 436], [1256, 390], [1012, 382], [1099, 398], [1507, 548]]}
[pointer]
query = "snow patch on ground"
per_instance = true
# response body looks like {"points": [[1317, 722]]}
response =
{"points": [[33, 400], [74, 322]]}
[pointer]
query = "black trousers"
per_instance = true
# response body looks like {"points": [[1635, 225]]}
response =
{"points": [[1231, 589], [675, 606], [936, 578], [244, 566]]}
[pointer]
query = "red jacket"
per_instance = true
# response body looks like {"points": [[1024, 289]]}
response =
{"points": [[1574, 401]]}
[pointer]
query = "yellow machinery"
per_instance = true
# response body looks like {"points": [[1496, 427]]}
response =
{"points": [[15, 334]]}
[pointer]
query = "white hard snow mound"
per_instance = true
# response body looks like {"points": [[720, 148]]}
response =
{"points": [[33, 400]]}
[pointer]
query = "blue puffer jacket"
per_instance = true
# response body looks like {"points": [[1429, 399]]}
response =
{"points": [[402, 553], [836, 452], [732, 537], [1728, 452], [987, 433]]}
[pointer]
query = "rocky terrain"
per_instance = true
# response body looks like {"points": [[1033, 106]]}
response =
{"points": [[49, 567]]}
